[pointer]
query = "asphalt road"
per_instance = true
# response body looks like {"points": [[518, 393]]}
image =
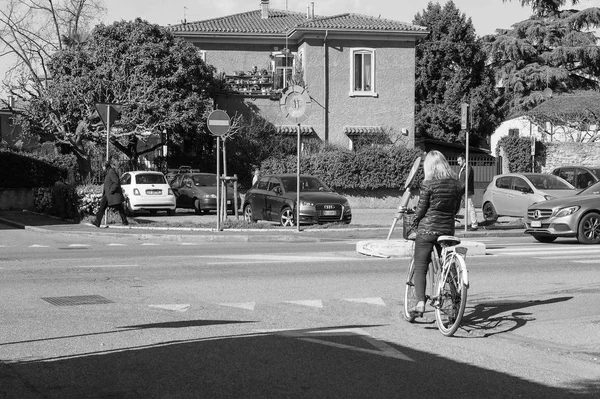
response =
{"points": [[285, 319]]}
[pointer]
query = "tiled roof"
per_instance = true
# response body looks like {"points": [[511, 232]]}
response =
{"points": [[280, 22], [290, 130], [362, 130], [569, 104]]}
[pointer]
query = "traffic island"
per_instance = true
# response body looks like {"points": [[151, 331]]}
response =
{"points": [[404, 248]]}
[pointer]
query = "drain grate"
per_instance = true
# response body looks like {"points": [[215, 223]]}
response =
{"points": [[77, 300]]}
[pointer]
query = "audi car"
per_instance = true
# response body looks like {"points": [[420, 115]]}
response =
{"points": [[273, 198], [576, 216]]}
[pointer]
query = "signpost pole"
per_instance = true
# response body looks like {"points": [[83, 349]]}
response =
{"points": [[464, 122], [107, 152], [218, 183], [298, 182]]}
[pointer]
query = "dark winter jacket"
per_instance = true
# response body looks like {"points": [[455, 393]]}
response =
{"points": [[112, 188], [461, 177], [438, 205]]}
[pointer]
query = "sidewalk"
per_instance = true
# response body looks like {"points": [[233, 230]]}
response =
{"points": [[366, 224]]}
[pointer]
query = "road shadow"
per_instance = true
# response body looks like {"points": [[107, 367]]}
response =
{"points": [[19, 219], [329, 362], [494, 317]]}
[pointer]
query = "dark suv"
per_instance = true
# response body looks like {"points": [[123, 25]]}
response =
{"points": [[579, 176]]}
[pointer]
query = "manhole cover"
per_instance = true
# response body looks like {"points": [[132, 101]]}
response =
{"points": [[77, 300]]}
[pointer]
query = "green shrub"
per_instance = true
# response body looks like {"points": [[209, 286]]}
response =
{"points": [[31, 170], [366, 169], [517, 151], [68, 202]]}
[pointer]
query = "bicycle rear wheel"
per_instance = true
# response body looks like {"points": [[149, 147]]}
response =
{"points": [[410, 298], [451, 295]]}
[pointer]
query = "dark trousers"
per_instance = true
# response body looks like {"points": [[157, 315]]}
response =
{"points": [[422, 256], [104, 205]]}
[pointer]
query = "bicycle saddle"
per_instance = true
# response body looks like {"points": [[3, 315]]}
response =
{"points": [[449, 241]]}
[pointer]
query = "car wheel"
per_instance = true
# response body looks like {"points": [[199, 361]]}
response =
{"points": [[588, 231], [170, 212], [248, 217], [197, 208], [543, 238], [128, 210], [489, 213], [286, 217]]}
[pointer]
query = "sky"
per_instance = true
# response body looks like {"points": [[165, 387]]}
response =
{"points": [[486, 15]]}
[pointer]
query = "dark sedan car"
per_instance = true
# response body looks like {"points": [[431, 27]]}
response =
{"points": [[273, 198], [575, 216], [198, 191]]}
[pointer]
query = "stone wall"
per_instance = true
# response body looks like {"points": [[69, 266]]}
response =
{"points": [[571, 154]]}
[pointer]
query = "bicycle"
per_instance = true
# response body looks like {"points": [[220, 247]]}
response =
{"points": [[448, 285]]}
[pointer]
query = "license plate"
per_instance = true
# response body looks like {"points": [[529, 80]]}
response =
{"points": [[154, 192], [536, 223], [330, 213]]}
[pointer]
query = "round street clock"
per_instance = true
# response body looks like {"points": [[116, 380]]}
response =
{"points": [[295, 104]]}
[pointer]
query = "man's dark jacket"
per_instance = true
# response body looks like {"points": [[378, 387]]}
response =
{"points": [[461, 177], [112, 188], [439, 202]]}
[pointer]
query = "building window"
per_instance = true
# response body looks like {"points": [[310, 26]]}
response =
{"points": [[362, 72], [202, 54], [283, 68]]}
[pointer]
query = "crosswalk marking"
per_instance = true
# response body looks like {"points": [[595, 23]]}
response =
{"points": [[38, 246], [315, 303], [116, 244]]}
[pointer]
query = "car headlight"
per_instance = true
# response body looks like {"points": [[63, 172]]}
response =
{"points": [[306, 204], [567, 211], [209, 196], [549, 197], [346, 204]]}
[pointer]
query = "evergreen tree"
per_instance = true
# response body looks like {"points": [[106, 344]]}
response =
{"points": [[553, 51], [450, 70]]}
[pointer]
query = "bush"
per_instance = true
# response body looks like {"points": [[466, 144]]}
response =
{"points": [[366, 169], [29, 170], [68, 202], [517, 151]]}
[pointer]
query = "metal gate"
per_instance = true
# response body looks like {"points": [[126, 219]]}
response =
{"points": [[485, 167]]}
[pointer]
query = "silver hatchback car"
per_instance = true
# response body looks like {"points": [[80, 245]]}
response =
{"points": [[577, 216], [511, 194]]}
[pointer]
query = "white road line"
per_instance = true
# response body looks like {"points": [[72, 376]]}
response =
{"points": [[313, 303], [78, 245], [38, 246], [115, 244], [100, 266], [587, 261], [150, 243], [538, 253], [371, 301], [567, 257]]}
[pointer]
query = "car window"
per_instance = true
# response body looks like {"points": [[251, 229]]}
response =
{"points": [[568, 174], [273, 184], [503, 182], [548, 182], [150, 178], [584, 178], [263, 183], [205, 180], [521, 185], [126, 179]]}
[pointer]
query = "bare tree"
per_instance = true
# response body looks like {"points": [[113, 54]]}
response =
{"points": [[32, 30]]}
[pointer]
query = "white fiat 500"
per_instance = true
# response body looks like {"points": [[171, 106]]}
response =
{"points": [[147, 191]]}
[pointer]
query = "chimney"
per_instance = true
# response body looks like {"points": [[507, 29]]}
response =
{"points": [[310, 10], [264, 9]]}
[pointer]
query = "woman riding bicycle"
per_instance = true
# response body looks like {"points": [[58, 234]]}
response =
{"points": [[439, 202]]}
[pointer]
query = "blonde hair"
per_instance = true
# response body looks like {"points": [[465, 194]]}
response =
{"points": [[436, 167]]}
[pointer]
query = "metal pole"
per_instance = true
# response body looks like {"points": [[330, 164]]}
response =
{"points": [[467, 181], [107, 155], [218, 184], [298, 183]]}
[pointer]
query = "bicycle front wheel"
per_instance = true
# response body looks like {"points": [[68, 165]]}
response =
{"points": [[451, 294], [410, 298]]}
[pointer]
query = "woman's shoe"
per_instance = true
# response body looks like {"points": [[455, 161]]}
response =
{"points": [[419, 309]]}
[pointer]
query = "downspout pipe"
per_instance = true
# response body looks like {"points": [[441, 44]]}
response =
{"points": [[326, 86]]}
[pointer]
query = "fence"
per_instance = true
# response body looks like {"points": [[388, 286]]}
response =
{"points": [[485, 167]]}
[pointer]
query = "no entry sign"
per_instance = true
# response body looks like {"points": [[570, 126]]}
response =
{"points": [[218, 122]]}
